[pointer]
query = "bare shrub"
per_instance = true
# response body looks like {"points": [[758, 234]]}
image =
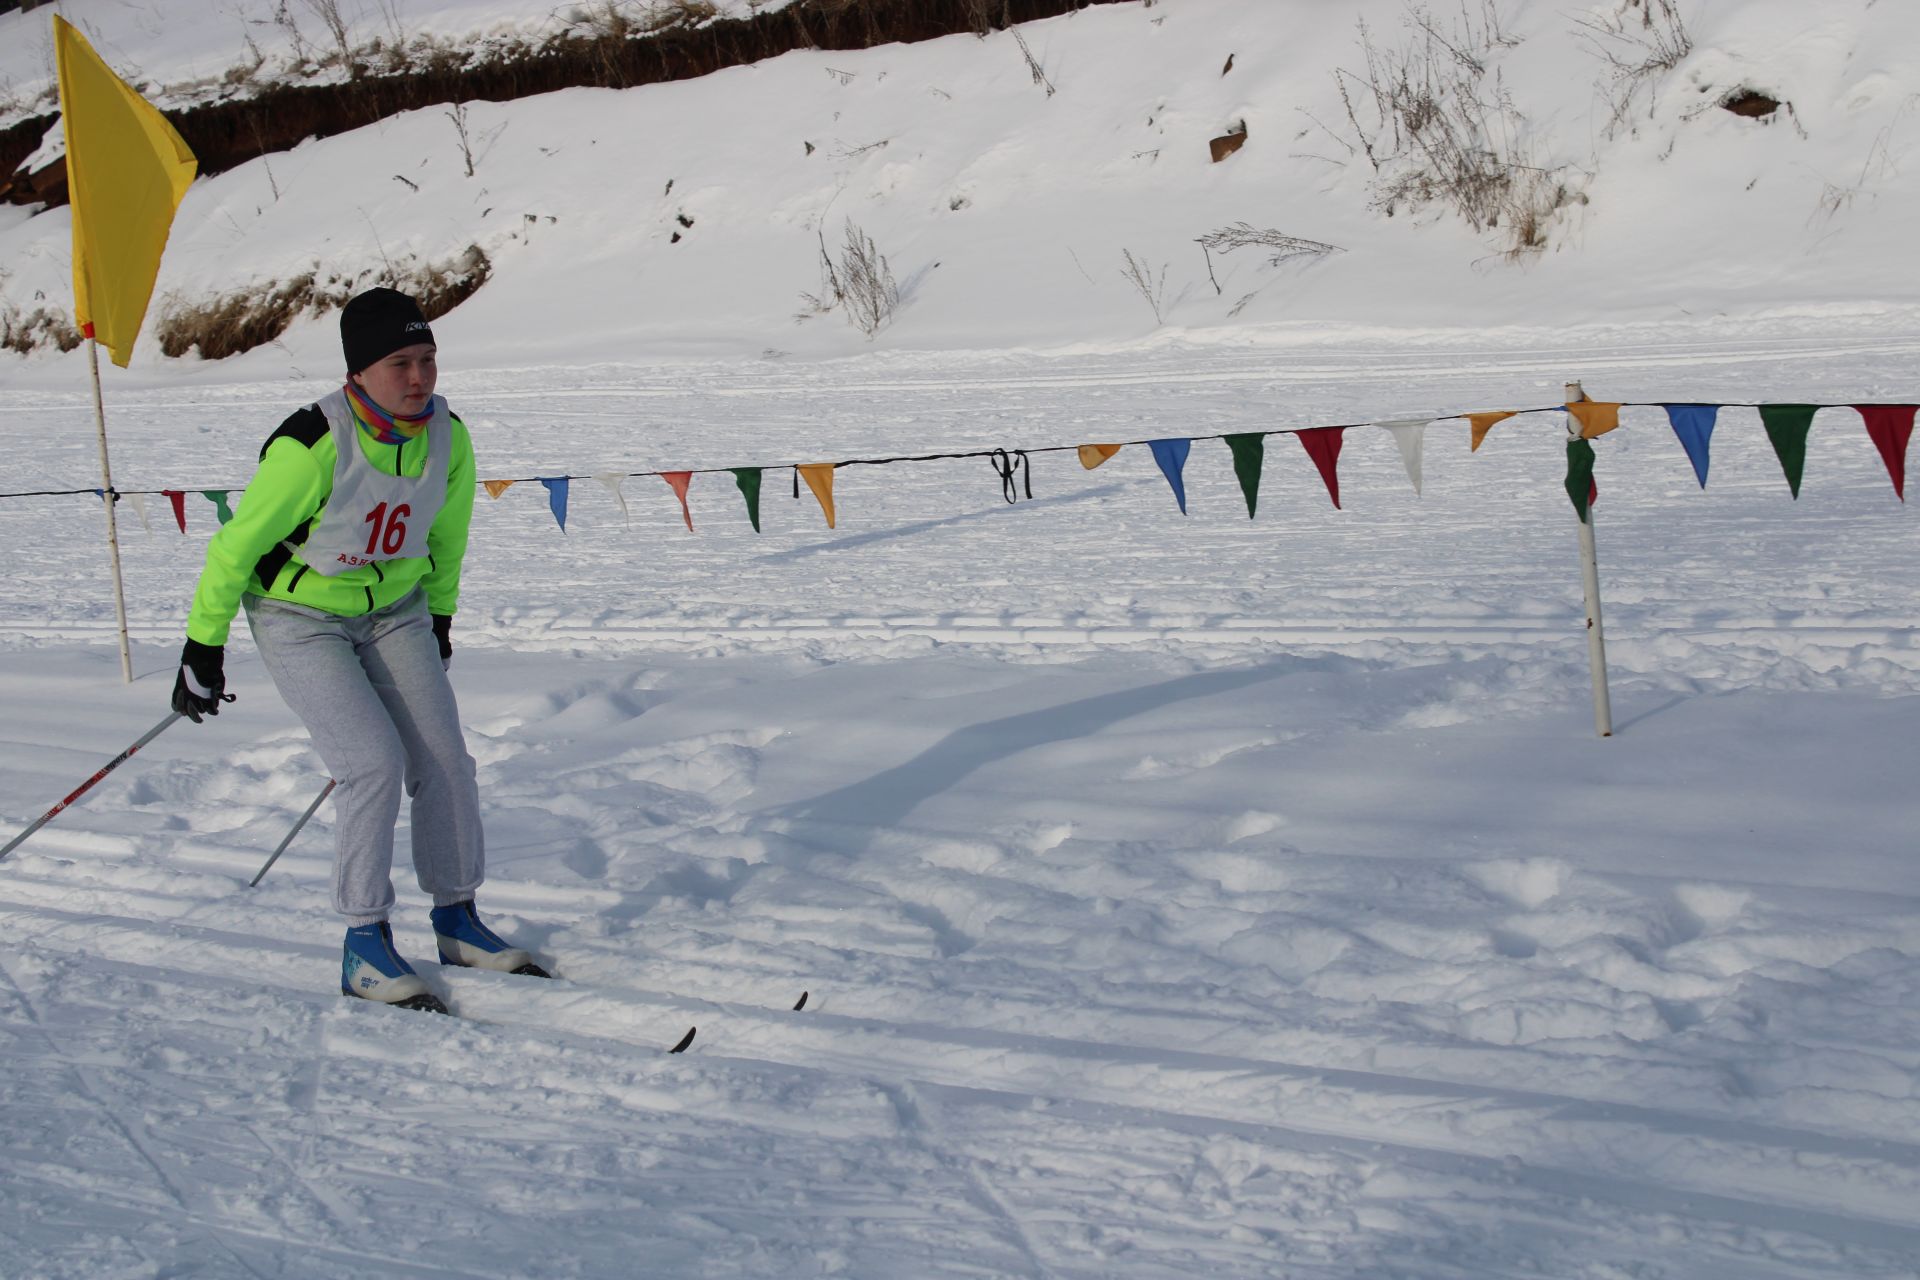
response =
{"points": [[861, 281], [1038, 72], [1242, 235], [1638, 42], [458, 114], [244, 70], [1139, 273], [1433, 117], [284, 19], [339, 30], [1879, 166]]}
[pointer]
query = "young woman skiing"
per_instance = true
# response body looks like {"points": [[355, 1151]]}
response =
{"points": [[345, 553]]}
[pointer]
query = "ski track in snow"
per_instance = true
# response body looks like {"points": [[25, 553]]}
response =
{"points": [[1177, 896]]}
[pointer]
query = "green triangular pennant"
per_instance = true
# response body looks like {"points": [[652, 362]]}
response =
{"points": [[1580, 476], [748, 478], [218, 497], [1249, 451], [1787, 426]]}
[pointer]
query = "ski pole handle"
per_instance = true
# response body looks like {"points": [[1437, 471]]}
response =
{"points": [[324, 793], [82, 789]]}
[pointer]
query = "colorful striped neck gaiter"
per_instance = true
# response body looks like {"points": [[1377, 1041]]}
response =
{"points": [[384, 427]]}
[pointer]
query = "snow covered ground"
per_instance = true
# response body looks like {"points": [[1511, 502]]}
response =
{"points": [[1175, 895]]}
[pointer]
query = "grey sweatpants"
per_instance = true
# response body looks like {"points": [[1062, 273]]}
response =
{"points": [[377, 703]]}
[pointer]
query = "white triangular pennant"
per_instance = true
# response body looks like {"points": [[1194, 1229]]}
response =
{"points": [[138, 501], [1411, 435], [612, 480]]}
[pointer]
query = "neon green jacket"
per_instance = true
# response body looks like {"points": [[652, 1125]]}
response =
{"points": [[290, 487]]}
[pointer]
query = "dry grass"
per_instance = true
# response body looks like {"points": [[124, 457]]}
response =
{"points": [[1152, 289], [984, 16], [1639, 42], [631, 19], [229, 324], [440, 289], [27, 331]]}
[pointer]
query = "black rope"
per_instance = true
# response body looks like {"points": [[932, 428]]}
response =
{"points": [[1005, 466]]}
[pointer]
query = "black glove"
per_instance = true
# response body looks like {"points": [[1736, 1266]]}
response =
{"points": [[443, 632], [198, 688]]}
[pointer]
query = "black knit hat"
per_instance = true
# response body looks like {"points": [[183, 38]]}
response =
{"points": [[378, 323]]}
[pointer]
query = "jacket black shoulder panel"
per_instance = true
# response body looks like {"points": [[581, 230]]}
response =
{"points": [[308, 426]]}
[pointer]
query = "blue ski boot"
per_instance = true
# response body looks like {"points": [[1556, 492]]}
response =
{"points": [[465, 941], [371, 969]]}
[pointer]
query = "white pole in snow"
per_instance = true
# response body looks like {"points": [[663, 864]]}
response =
{"points": [[1590, 581], [113, 532]]}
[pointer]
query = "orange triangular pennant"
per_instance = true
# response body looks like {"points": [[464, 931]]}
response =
{"points": [[495, 488], [1092, 455], [1483, 423], [819, 478], [1596, 417]]}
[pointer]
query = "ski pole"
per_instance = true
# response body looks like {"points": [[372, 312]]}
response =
{"points": [[81, 790], [324, 793]]}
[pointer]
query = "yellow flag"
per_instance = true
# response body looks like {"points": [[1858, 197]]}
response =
{"points": [[1483, 423], [1596, 417], [495, 488], [1092, 455], [819, 478], [126, 173]]}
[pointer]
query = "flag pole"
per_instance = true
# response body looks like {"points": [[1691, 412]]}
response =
{"points": [[1590, 587], [110, 499]]}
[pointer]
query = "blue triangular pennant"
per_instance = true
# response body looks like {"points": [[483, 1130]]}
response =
{"points": [[1172, 457], [1693, 423], [557, 499]]}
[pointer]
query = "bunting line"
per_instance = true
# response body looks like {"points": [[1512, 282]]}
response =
{"points": [[1787, 430], [490, 485]]}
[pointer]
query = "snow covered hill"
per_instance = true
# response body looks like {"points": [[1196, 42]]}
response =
{"points": [[1175, 895], [688, 218]]}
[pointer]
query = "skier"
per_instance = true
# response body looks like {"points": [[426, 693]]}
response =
{"points": [[346, 554]]}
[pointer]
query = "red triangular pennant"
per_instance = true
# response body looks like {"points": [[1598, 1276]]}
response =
{"points": [[178, 497], [1323, 446], [1891, 426], [678, 482]]}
